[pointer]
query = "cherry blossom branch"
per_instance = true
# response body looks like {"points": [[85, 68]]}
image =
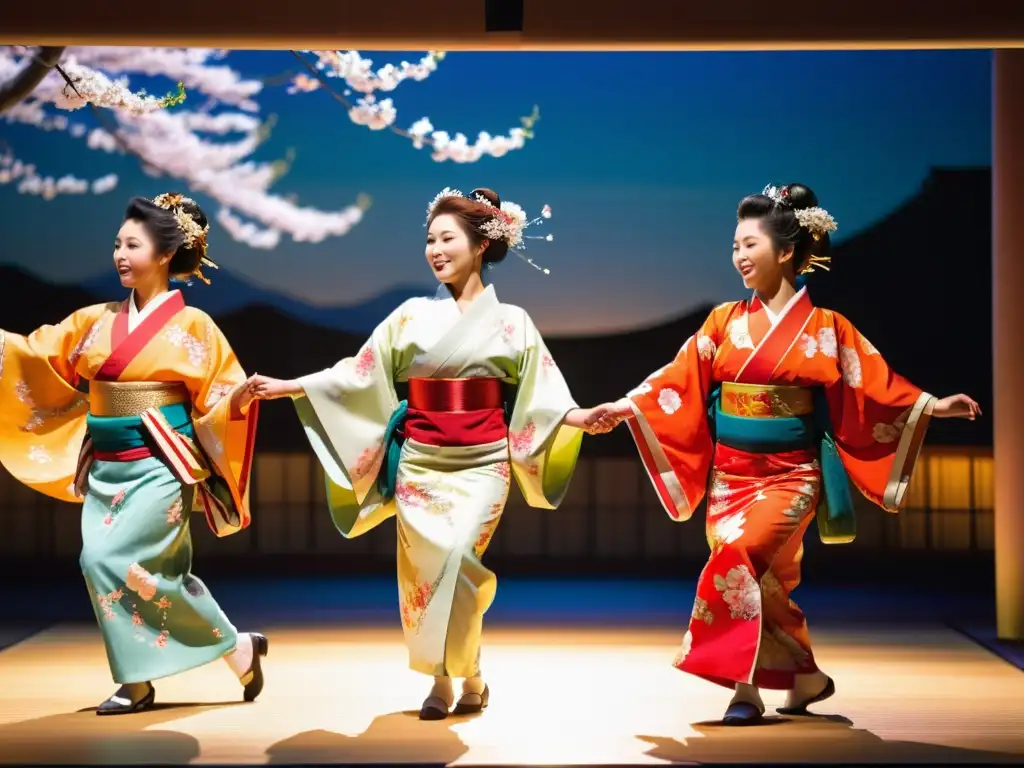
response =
{"points": [[31, 183], [189, 66], [379, 115], [32, 73], [176, 143]]}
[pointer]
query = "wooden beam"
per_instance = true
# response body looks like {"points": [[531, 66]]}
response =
{"points": [[759, 25], [546, 25]]}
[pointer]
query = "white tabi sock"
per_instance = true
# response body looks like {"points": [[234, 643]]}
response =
{"points": [[473, 685], [748, 694], [806, 687], [240, 659], [130, 694], [442, 689]]}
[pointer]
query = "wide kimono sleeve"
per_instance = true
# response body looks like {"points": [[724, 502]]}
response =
{"points": [[542, 449], [345, 411], [227, 437], [42, 414], [670, 424], [878, 417]]}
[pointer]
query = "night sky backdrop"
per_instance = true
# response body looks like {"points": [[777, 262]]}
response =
{"points": [[642, 157]]}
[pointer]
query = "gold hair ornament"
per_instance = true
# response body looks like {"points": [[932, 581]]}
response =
{"points": [[815, 220], [195, 235]]}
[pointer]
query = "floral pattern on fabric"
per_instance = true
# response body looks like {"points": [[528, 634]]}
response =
{"points": [[141, 582], [194, 348], [416, 602], [116, 504], [421, 496], [740, 591]]}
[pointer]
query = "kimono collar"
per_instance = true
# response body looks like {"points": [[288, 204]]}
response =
{"points": [[756, 304], [443, 294], [136, 316]]}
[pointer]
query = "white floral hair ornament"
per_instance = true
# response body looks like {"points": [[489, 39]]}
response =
{"points": [[508, 223], [195, 235], [815, 220]]}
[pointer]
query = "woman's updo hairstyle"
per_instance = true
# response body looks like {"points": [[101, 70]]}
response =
{"points": [[777, 214], [169, 235], [473, 215]]}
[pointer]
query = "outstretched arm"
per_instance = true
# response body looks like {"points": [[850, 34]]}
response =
{"points": [[267, 388], [956, 407]]}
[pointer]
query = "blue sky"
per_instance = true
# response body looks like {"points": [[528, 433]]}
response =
{"points": [[642, 157]]}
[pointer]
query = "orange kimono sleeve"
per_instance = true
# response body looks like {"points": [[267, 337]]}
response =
{"points": [[227, 437], [670, 423], [879, 419], [42, 414]]}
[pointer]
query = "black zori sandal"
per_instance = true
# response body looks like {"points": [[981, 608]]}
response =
{"points": [[434, 708], [473, 703], [742, 713], [121, 702], [253, 679]]}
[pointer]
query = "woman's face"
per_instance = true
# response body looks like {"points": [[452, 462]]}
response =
{"points": [[135, 257], [450, 252], [755, 257]]}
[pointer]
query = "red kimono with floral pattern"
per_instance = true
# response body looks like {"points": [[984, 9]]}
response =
{"points": [[744, 626]]}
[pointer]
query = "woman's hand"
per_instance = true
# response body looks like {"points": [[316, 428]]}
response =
{"points": [[606, 417], [597, 420], [956, 407], [242, 398], [266, 388]]}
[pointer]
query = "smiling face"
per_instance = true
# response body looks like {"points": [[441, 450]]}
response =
{"points": [[759, 262], [450, 252], [135, 257]]}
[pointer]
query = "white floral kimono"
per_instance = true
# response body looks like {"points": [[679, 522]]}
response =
{"points": [[449, 493]]}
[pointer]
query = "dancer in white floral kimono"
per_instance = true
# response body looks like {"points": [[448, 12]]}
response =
{"points": [[166, 428], [442, 461]]}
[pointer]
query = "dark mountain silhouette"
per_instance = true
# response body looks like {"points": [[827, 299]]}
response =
{"points": [[232, 294], [917, 284]]}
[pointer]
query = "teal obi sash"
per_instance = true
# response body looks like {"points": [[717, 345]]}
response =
{"points": [[394, 437], [122, 433], [837, 521]]}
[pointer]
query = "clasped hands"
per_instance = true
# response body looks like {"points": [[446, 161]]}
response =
{"points": [[604, 418], [258, 387]]}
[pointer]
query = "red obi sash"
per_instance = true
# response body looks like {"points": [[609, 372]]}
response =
{"points": [[456, 412]]}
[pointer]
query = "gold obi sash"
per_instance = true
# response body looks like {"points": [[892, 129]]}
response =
{"points": [[134, 398], [766, 401]]}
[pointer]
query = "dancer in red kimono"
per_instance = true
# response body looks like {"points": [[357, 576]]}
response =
{"points": [[772, 408]]}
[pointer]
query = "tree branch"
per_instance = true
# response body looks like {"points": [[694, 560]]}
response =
{"points": [[22, 84]]}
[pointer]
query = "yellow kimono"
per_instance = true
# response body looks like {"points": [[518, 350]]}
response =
{"points": [[153, 438], [459, 452]]}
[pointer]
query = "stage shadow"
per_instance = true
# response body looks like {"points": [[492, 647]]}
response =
{"points": [[816, 738], [398, 737], [162, 706], [82, 738]]}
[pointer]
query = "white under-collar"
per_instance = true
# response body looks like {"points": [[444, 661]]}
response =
{"points": [[136, 316], [444, 293], [774, 318]]}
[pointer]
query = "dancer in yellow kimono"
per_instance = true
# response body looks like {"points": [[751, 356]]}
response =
{"points": [[773, 407], [167, 426], [442, 461]]}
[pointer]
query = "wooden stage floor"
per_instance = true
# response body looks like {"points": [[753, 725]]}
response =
{"points": [[579, 696]]}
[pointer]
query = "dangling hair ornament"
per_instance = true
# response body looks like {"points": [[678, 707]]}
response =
{"points": [[508, 223], [195, 236], [816, 220]]}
